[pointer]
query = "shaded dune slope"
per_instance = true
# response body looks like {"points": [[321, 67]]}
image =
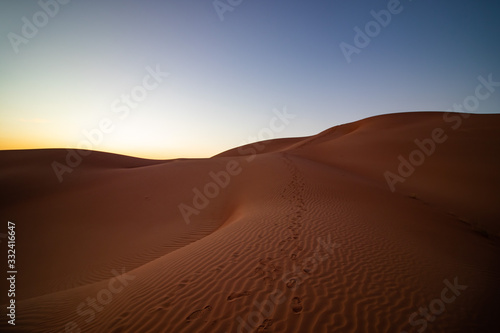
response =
{"points": [[306, 237]]}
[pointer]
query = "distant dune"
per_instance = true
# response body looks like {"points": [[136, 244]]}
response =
{"points": [[387, 224]]}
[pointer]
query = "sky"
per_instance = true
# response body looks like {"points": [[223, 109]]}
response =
{"points": [[192, 78]]}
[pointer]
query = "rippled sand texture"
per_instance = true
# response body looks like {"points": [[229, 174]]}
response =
{"points": [[308, 237]]}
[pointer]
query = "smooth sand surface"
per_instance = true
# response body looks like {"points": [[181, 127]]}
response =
{"points": [[306, 236]]}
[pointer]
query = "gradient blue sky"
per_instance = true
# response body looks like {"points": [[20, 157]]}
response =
{"points": [[226, 77]]}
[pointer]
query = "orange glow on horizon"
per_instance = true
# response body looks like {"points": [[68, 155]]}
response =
{"points": [[31, 144]]}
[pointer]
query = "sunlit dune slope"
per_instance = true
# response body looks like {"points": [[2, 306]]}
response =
{"points": [[329, 233]]}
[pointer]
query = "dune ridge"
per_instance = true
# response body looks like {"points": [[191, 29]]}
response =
{"points": [[308, 237]]}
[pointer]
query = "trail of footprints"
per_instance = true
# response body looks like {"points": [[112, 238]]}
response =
{"points": [[294, 194], [289, 247]]}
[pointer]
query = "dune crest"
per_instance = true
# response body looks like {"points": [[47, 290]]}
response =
{"points": [[288, 235]]}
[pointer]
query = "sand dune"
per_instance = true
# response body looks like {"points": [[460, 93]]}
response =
{"points": [[289, 235]]}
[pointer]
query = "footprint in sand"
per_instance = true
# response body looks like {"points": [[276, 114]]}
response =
{"points": [[198, 313], [265, 325], [291, 283], [237, 295], [296, 305], [194, 315]]}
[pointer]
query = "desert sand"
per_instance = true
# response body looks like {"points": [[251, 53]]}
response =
{"points": [[294, 235]]}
